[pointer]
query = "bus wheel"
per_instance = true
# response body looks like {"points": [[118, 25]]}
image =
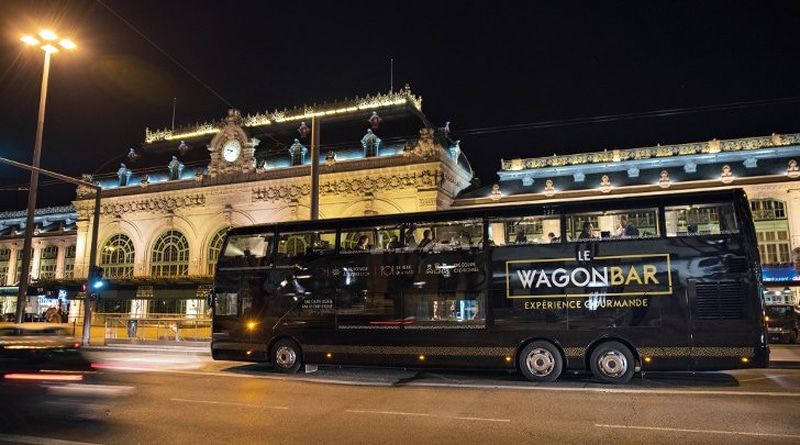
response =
{"points": [[540, 361], [612, 362], [286, 356]]}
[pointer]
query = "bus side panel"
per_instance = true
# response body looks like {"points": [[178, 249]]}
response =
{"points": [[406, 308]]}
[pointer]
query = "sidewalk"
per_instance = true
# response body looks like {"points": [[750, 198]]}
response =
{"points": [[784, 356]]}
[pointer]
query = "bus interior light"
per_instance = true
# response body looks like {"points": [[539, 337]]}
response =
{"points": [[329, 356], [422, 358], [745, 360]]}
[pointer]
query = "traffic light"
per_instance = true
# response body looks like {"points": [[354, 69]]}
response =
{"points": [[96, 280]]}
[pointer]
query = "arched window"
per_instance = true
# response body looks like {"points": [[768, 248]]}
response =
{"points": [[214, 249], [170, 255], [117, 257]]}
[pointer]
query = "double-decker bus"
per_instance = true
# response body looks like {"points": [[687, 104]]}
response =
{"points": [[668, 282]]}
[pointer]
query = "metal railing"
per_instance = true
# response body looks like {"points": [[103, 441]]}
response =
{"points": [[161, 329]]}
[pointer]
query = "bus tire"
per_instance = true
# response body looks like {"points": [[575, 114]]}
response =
{"points": [[286, 356], [540, 361], [612, 362]]}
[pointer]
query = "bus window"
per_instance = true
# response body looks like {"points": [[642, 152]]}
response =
{"points": [[225, 304], [247, 245], [292, 245], [360, 240], [581, 227], [443, 235], [706, 219], [637, 223], [525, 230], [246, 250], [613, 225]]}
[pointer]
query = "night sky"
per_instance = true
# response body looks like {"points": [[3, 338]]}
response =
{"points": [[514, 79]]}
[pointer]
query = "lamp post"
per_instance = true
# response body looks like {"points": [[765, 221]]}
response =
{"points": [[50, 43]]}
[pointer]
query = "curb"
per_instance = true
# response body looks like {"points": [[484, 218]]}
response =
{"points": [[189, 350]]}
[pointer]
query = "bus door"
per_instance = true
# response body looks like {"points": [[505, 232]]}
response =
{"points": [[301, 285]]}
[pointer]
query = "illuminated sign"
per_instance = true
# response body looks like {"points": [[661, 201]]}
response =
{"points": [[585, 275], [772, 274]]}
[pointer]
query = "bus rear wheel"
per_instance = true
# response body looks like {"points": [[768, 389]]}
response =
{"points": [[612, 362], [286, 356], [540, 361]]}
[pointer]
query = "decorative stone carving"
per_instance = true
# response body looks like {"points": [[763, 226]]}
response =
{"points": [[727, 174], [156, 205], [605, 184], [426, 146], [663, 181], [496, 194], [549, 188], [792, 170]]}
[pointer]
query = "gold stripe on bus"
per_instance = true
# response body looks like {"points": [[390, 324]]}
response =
{"points": [[450, 351], [707, 351]]}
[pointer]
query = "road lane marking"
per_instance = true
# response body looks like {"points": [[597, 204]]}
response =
{"points": [[39, 440], [402, 413], [215, 402], [686, 430]]}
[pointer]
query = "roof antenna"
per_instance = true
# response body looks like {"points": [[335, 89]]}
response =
{"points": [[174, 103], [391, 75]]}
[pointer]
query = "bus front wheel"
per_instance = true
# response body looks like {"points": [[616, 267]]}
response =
{"points": [[612, 362], [286, 356], [540, 361]]}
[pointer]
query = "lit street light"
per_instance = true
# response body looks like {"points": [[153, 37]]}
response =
{"points": [[49, 43]]}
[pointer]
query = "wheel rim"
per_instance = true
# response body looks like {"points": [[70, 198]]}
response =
{"points": [[612, 364], [285, 357], [540, 362]]}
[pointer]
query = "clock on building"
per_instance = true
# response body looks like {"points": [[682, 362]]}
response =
{"points": [[231, 150]]}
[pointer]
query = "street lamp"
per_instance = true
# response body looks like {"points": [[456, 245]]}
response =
{"points": [[49, 43]]}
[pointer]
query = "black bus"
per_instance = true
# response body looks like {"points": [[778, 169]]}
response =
{"points": [[668, 282]]}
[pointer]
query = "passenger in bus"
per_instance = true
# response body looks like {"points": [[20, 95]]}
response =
{"points": [[626, 229], [521, 238], [410, 239], [588, 231], [553, 238], [393, 243], [363, 243], [427, 240]]}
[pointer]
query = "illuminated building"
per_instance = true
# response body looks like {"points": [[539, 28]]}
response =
{"points": [[163, 213]]}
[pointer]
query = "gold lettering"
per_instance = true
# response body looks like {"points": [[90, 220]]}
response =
{"points": [[616, 275], [633, 276], [650, 274]]}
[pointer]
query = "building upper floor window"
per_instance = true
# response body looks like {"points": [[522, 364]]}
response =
{"points": [[768, 209]]}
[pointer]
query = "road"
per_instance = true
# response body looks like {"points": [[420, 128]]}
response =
{"points": [[180, 399]]}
